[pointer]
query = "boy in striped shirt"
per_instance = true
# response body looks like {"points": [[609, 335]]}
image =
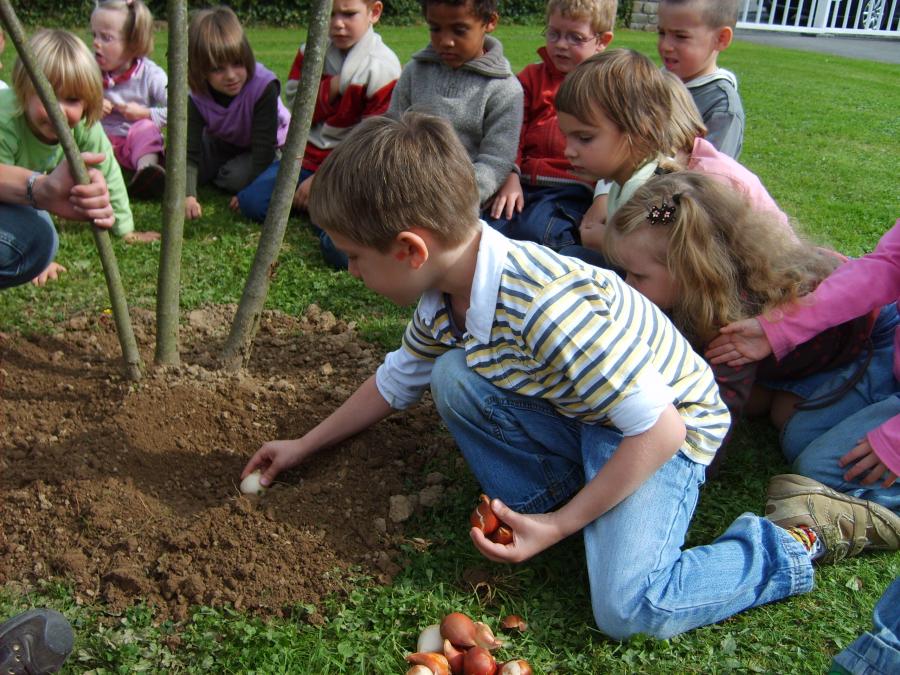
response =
{"points": [[564, 388]]}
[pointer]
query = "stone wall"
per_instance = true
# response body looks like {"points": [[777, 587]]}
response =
{"points": [[643, 15]]}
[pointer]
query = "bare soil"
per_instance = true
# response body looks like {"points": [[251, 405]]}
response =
{"points": [[129, 491]]}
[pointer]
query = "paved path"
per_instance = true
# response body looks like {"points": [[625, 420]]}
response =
{"points": [[873, 49]]}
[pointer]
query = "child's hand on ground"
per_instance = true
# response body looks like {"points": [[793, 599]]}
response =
{"points": [[192, 209], [133, 112], [273, 458], [739, 343], [141, 237], [866, 461], [301, 194], [107, 107], [50, 274], [509, 198], [234, 204], [532, 533]]}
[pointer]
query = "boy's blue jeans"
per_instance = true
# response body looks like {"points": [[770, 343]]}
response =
{"points": [[527, 454], [814, 440], [28, 243], [878, 650], [254, 202]]}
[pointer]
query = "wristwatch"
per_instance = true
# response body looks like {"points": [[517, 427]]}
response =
{"points": [[29, 188]]}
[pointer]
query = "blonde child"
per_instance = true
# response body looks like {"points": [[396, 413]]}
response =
{"points": [[704, 255], [850, 440], [542, 200], [692, 33], [236, 120], [135, 92], [620, 121], [564, 388], [27, 137]]}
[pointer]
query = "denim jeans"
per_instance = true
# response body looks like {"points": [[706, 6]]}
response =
{"points": [[254, 201], [877, 651], [28, 243], [527, 454], [551, 217], [814, 440]]}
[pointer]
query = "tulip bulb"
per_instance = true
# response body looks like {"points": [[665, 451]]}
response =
{"points": [[419, 670], [479, 661], [483, 516], [516, 667], [430, 640], [459, 629], [484, 637], [513, 622], [251, 485], [436, 663], [455, 657], [502, 535]]}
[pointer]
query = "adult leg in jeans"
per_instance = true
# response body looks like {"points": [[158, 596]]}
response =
{"points": [[28, 243], [878, 650], [524, 452]]}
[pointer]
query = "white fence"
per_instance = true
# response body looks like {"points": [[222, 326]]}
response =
{"points": [[854, 17]]}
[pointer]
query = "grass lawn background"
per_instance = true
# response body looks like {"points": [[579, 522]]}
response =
{"points": [[821, 134]]}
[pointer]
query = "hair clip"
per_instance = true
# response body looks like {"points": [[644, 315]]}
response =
{"points": [[664, 214]]}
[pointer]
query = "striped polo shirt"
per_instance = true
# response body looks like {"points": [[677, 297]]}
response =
{"points": [[544, 325]]}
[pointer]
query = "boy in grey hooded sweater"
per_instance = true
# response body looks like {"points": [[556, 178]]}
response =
{"points": [[463, 77]]}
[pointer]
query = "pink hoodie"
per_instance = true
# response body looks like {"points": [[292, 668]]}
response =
{"points": [[855, 288]]}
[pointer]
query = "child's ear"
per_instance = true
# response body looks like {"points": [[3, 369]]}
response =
{"points": [[375, 11], [412, 249], [724, 37], [603, 40], [491, 23]]}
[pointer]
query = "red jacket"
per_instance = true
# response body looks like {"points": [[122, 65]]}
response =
{"points": [[541, 143]]}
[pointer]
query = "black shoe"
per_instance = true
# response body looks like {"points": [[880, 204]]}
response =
{"points": [[148, 183], [34, 642]]}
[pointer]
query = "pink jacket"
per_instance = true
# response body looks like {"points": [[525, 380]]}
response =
{"points": [[854, 288], [725, 169]]}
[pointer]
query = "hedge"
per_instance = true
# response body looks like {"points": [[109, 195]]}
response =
{"points": [[277, 13]]}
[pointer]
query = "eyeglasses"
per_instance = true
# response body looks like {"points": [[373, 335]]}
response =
{"points": [[573, 39]]}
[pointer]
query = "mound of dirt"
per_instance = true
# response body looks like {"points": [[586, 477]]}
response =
{"points": [[128, 491]]}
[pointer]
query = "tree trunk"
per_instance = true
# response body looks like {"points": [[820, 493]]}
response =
{"points": [[117, 299], [246, 321], [169, 280]]}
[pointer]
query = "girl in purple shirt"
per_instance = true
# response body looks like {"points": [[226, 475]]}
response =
{"points": [[236, 120]]}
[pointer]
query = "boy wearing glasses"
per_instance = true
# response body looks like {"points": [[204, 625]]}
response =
{"points": [[542, 200], [463, 77]]}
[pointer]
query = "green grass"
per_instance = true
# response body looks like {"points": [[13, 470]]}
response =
{"points": [[821, 134]]}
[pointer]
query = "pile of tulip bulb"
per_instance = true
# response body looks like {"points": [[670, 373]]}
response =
{"points": [[461, 646]]}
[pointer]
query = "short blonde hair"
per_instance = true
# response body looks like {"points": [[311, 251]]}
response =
{"points": [[390, 175], [686, 124], [215, 39], [138, 29], [601, 14], [730, 260], [627, 88], [69, 67]]}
